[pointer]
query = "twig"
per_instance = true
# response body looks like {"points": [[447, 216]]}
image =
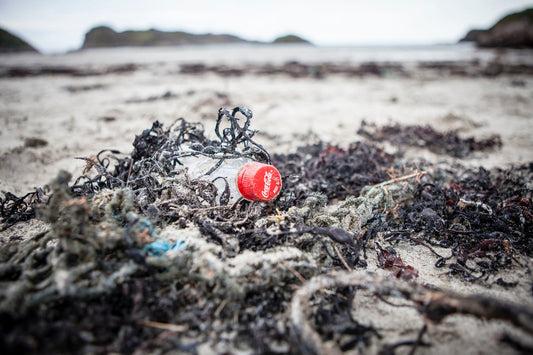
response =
{"points": [[293, 271], [342, 258], [418, 339], [129, 173], [417, 174], [220, 307], [395, 235], [165, 326]]}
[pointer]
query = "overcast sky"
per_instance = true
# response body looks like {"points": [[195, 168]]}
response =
{"points": [[60, 25]]}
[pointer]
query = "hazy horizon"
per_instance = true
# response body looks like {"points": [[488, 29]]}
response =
{"points": [[58, 26]]}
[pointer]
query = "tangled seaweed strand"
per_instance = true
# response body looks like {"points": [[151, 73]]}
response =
{"points": [[14, 209], [426, 137], [158, 151]]}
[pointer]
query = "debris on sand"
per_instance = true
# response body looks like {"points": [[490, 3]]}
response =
{"points": [[31, 71], [426, 137], [140, 257]]}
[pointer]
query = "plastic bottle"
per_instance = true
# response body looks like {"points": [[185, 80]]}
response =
{"points": [[245, 177]]}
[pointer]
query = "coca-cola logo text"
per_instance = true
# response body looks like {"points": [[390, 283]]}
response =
{"points": [[268, 181]]}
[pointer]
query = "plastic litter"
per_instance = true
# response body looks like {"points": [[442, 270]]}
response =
{"points": [[237, 178], [160, 246]]}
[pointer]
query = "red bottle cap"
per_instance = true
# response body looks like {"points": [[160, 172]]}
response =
{"points": [[259, 182]]}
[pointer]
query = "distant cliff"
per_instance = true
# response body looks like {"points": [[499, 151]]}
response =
{"points": [[473, 35], [107, 37], [9, 43], [514, 30]]}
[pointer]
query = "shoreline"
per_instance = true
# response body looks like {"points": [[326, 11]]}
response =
{"points": [[500, 65], [274, 54]]}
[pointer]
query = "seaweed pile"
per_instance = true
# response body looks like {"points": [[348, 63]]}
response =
{"points": [[27, 71], [426, 137], [331, 170], [320, 70], [139, 257], [296, 69]]}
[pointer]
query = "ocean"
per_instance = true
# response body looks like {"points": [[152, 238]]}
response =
{"points": [[231, 54]]}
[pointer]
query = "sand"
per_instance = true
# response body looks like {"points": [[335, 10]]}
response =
{"points": [[79, 116], [113, 108]]}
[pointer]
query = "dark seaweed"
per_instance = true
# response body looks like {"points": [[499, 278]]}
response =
{"points": [[482, 216], [14, 209], [330, 170], [426, 137]]}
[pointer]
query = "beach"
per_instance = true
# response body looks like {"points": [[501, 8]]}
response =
{"points": [[78, 115], [56, 109]]}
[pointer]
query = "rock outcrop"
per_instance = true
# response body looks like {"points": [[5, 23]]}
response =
{"points": [[9, 43], [473, 35], [106, 37], [290, 39], [513, 31], [103, 36]]}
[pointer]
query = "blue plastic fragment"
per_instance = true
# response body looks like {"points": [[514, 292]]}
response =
{"points": [[160, 246], [147, 224], [178, 244]]}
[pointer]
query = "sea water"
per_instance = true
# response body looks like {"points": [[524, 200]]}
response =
{"points": [[233, 54]]}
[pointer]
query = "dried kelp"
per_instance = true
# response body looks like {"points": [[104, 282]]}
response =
{"points": [[155, 159], [320, 70], [388, 259], [426, 137], [135, 244]]}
